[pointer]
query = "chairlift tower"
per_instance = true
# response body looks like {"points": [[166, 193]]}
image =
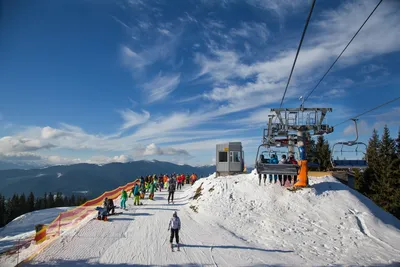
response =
{"points": [[287, 127]]}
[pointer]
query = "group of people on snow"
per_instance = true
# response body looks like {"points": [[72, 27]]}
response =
{"points": [[281, 178], [149, 184]]}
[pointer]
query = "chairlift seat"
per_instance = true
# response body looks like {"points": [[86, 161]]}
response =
{"points": [[349, 164], [286, 169]]}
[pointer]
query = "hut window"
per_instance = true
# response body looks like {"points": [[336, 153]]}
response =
{"points": [[223, 156], [236, 156]]}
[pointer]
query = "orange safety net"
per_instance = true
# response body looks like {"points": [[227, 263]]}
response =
{"points": [[70, 218]]}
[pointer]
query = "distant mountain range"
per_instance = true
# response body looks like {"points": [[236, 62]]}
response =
{"points": [[89, 179]]}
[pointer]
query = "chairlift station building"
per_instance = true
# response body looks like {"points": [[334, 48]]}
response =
{"points": [[229, 158]]}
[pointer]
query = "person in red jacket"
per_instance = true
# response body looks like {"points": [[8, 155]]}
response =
{"points": [[179, 181]]}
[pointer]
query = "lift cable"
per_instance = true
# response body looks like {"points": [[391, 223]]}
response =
{"points": [[298, 50], [342, 51], [375, 108]]}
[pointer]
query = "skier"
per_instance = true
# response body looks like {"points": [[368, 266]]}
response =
{"points": [[136, 195], [171, 190], [187, 179], [175, 226], [124, 195], [152, 189], [180, 181], [160, 182]]}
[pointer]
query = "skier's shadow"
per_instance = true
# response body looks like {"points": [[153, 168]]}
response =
{"points": [[237, 247]]}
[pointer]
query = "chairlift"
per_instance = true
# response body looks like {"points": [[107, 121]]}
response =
{"points": [[349, 164], [263, 165]]}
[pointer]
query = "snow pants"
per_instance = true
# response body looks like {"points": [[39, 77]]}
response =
{"points": [[171, 195], [136, 200], [123, 203], [174, 232]]}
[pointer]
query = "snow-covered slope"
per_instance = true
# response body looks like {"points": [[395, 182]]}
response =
{"points": [[235, 222], [326, 224], [24, 226]]}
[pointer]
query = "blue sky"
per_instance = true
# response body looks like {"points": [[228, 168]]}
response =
{"points": [[101, 81]]}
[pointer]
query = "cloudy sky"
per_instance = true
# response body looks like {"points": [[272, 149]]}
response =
{"points": [[101, 81]]}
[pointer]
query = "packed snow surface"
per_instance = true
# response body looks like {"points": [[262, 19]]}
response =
{"points": [[233, 221]]}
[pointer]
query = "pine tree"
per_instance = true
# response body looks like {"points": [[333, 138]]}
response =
{"points": [[45, 204], [23, 207], [323, 153], [39, 203], [31, 202], [72, 201], [59, 200], [50, 201]]}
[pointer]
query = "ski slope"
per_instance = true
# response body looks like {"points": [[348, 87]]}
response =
{"points": [[238, 223]]}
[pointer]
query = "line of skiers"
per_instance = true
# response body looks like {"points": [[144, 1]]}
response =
{"points": [[281, 178], [147, 184]]}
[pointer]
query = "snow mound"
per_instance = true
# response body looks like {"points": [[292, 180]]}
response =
{"points": [[24, 226], [328, 223]]}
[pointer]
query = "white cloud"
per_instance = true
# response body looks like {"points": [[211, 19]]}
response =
{"points": [[100, 159], [153, 149], [235, 80], [164, 31], [362, 127], [161, 86], [132, 118], [20, 156], [247, 30], [280, 7], [11, 144], [49, 133], [259, 116]]}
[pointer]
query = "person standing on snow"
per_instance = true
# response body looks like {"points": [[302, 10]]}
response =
{"points": [[171, 190], [175, 226], [124, 196], [136, 195], [152, 189]]}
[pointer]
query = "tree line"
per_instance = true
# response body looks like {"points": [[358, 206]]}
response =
{"points": [[11, 208], [381, 180]]}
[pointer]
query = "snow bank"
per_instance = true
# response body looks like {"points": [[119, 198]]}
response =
{"points": [[24, 225], [328, 223], [23, 228]]}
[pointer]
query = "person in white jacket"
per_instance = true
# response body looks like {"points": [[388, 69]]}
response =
{"points": [[175, 226]]}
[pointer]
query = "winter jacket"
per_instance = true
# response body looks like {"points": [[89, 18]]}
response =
{"points": [[175, 223], [283, 161], [293, 161], [152, 187], [273, 160], [171, 186], [124, 195], [136, 191]]}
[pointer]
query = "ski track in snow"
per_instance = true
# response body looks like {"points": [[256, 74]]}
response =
{"points": [[237, 223]]}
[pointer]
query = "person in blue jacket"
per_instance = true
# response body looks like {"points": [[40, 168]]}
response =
{"points": [[273, 160]]}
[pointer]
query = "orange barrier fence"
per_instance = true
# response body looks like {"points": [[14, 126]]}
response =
{"points": [[68, 219]]}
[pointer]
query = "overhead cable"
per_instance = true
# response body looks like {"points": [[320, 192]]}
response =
{"points": [[351, 40], [368, 111], [298, 50]]}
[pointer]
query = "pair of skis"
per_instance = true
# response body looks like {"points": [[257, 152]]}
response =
{"points": [[172, 247]]}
